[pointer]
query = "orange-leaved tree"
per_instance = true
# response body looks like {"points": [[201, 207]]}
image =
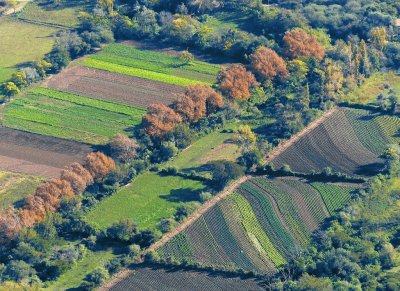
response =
{"points": [[99, 165], [235, 82], [299, 44], [197, 101], [160, 119], [267, 64]]}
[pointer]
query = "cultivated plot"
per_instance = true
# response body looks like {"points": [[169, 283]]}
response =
{"points": [[70, 116], [152, 278], [260, 226], [351, 141], [152, 65], [109, 86], [37, 155]]}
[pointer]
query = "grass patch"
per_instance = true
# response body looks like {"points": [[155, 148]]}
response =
{"points": [[70, 116], [21, 43], [147, 200], [74, 277], [373, 86], [15, 187], [66, 14], [152, 65], [213, 146]]}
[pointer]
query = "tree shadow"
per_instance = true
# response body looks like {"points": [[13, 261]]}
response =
{"points": [[182, 195], [371, 169]]}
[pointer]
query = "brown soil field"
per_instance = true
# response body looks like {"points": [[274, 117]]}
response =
{"points": [[37, 154], [114, 87]]}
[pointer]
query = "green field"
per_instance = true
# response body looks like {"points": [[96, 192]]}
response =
{"points": [[148, 199], [373, 86], [15, 187], [74, 277], [214, 146], [65, 115], [21, 43], [65, 14], [152, 65], [258, 227]]}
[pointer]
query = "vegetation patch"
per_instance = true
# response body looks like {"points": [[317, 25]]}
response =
{"points": [[148, 199], [14, 187]]}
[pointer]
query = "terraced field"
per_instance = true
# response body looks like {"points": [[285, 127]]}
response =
{"points": [[149, 279], [260, 226], [152, 65], [66, 115], [350, 141]]}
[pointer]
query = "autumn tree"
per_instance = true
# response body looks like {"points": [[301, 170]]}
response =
{"points": [[379, 37], [245, 137], [160, 119], [77, 176], [268, 64], [10, 225], [299, 44], [99, 165], [235, 82], [123, 148], [197, 101]]}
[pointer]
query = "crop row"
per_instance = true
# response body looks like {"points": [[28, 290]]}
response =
{"points": [[334, 196], [269, 220], [255, 231], [287, 208], [141, 73]]}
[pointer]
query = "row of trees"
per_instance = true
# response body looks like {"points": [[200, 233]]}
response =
{"points": [[74, 179]]}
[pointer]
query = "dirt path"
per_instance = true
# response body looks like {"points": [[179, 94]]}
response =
{"points": [[286, 144], [167, 237], [20, 6]]}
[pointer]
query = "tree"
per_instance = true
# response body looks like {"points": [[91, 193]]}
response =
{"points": [[299, 44], [18, 271], [19, 79], [245, 137], [106, 5], [268, 64], [123, 148], [205, 5], [224, 171], [379, 37], [10, 225], [235, 82], [186, 57], [99, 165], [10, 89], [77, 176], [147, 25], [197, 101], [160, 119]]}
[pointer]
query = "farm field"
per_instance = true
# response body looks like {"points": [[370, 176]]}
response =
{"points": [[16, 37], [104, 85], [258, 227], [64, 14], [151, 278], [152, 65], [37, 155], [14, 187], [146, 200], [69, 116], [350, 141]]}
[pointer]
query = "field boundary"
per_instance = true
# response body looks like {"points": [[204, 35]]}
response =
{"points": [[283, 146], [168, 236]]}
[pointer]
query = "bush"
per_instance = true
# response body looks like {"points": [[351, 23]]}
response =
{"points": [[123, 231], [185, 210], [98, 276], [205, 196]]}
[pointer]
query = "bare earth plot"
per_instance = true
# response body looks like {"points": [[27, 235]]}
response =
{"points": [[115, 87], [37, 154]]}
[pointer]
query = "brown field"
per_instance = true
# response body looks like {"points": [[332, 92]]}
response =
{"points": [[36, 154], [114, 87]]}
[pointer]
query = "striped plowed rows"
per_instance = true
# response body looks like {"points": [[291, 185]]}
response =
{"points": [[308, 197], [151, 279], [37, 154], [114, 87], [268, 217], [333, 144]]}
